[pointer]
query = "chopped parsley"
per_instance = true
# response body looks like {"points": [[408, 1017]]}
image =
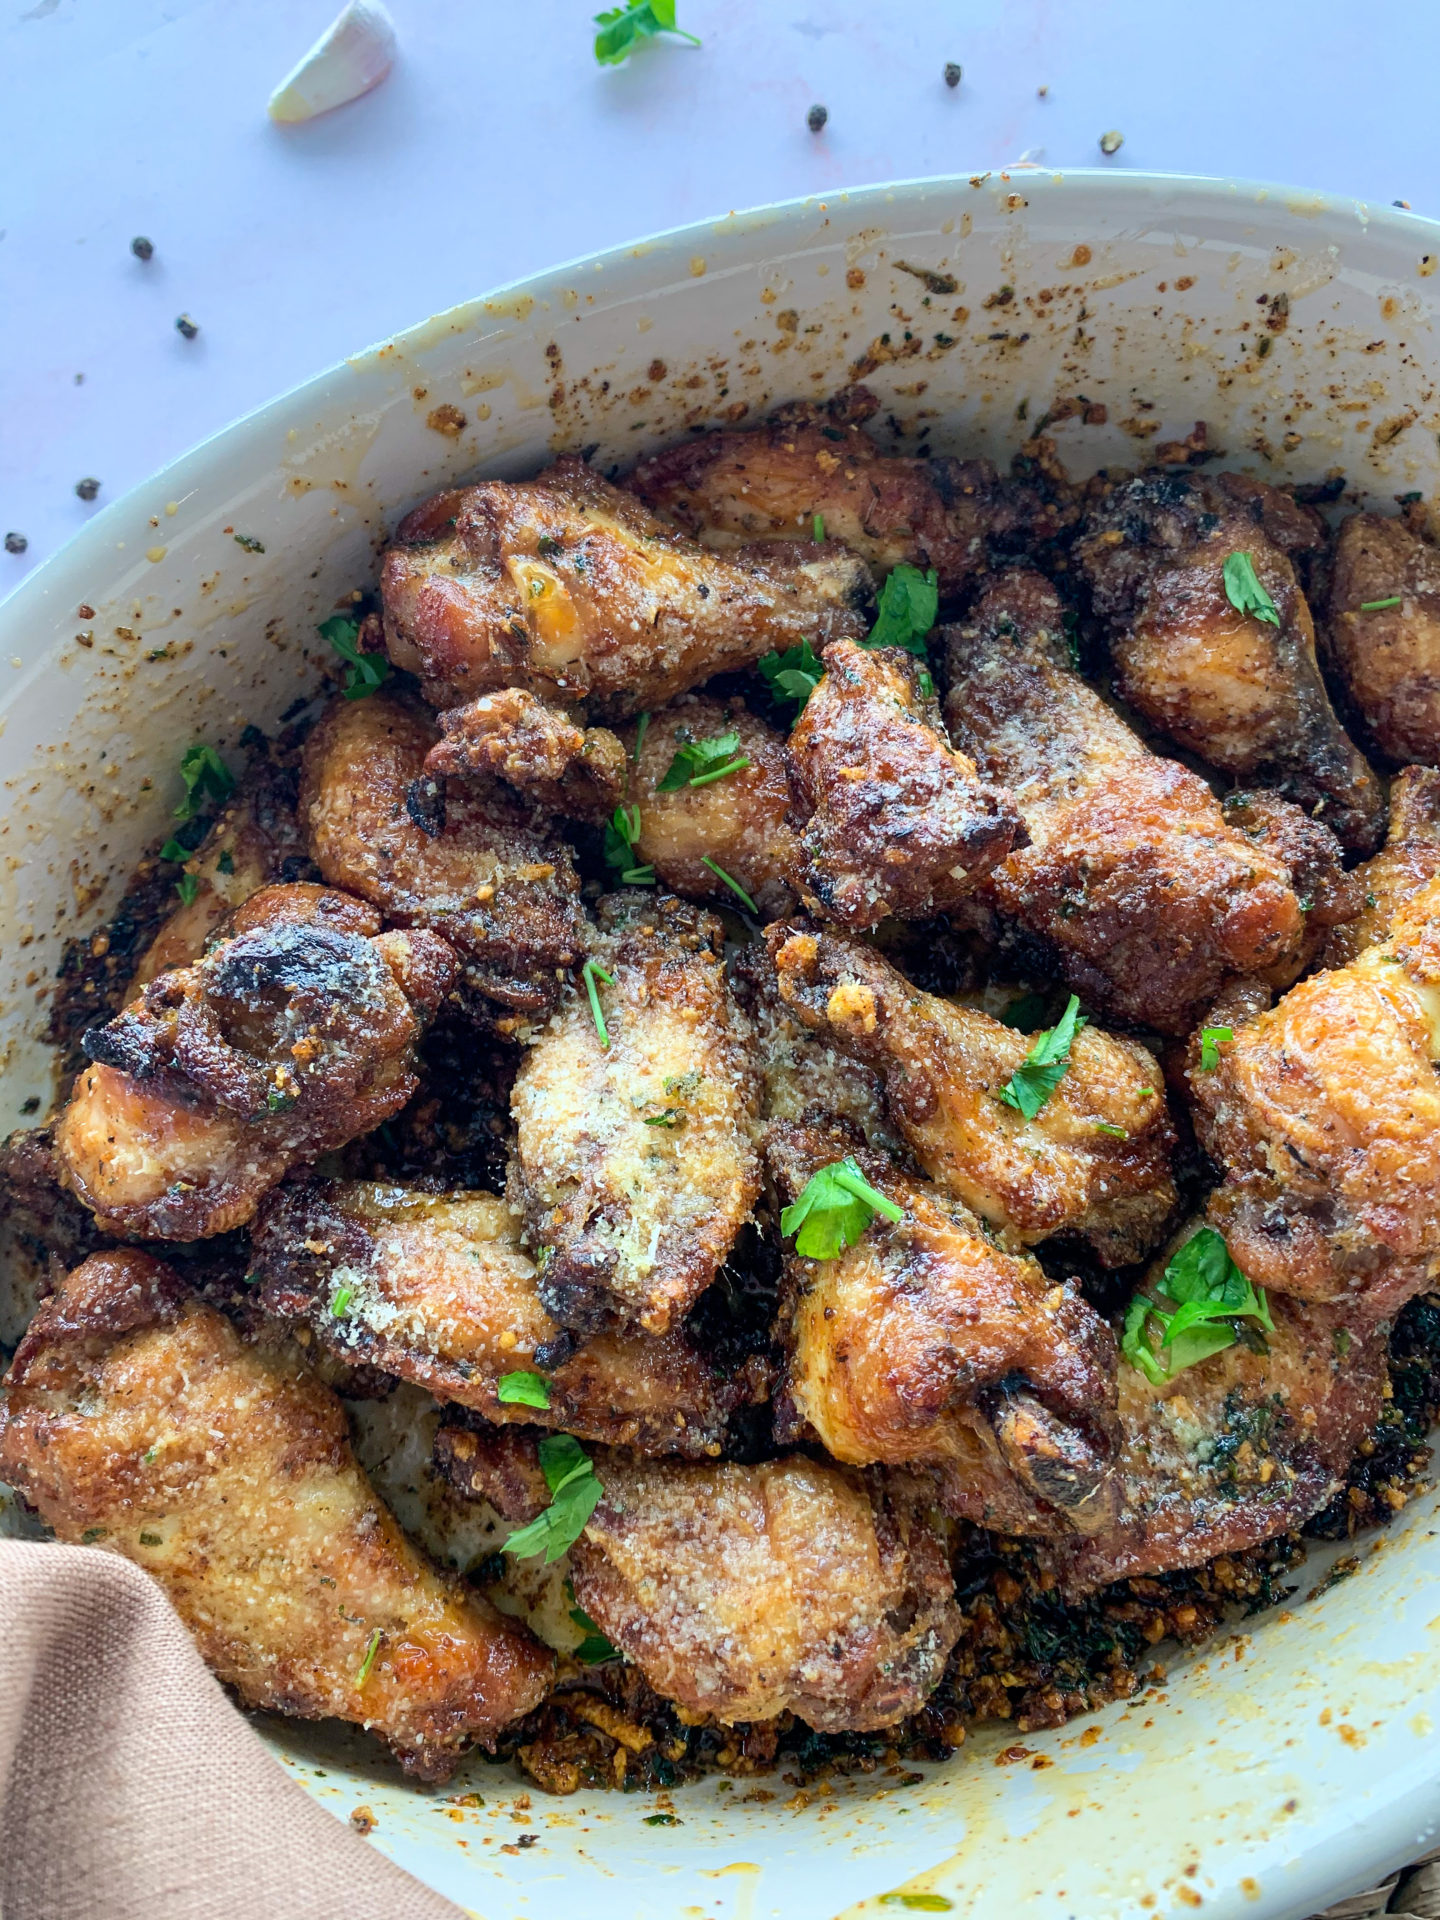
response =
{"points": [[622, 29], [1116, 1133], [574, 1495], [671, 1117], [909, 602], [662, 1820], [793, 675], [226, 861], [817, 529], [622, 836], [834, 1210], [595, 1647], [590, 973], [734, 885], [1244, 591], [1378, 606], [368, 1662], [174, 849], [249, 543], [206, 777], [365, 673], [1046, 1064], [340, 1305], [699, 762], [523, 1390], [1211, 1040], [1203, 1299], [1026, 1013], [187, 886]]}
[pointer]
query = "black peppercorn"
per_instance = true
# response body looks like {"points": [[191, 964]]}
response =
{"points": [[142, 248], [186, 326], [87, 489], [816, 118], [954, 73], [15, 543]]}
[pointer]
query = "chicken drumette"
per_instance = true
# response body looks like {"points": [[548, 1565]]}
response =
{"points": [[1382, 634]]}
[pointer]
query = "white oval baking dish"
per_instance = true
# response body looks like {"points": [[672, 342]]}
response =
{"points": [[1281, 1768]]}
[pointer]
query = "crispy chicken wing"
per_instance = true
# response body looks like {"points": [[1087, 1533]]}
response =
{"points": [[1387, 658], [436, 1288], [1325, 1113], [570, 587], [1242, 693], [293, 1035], [924, 1344], [510, 735], [771, 483], [1409, 858], [1132, 873], [1329, 896], [137, 1420], [635, 1161], [1095, 1159], [899, 822], [473, 864]]}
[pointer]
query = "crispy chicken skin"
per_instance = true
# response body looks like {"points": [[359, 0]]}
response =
{"points": [[571, 588], [742, 822], [137, 1419], [510, 735], [293, 1035], [926, 1345], [472, 863], [899, 822], [770, 482], [1387, 660], [1243, 694], [943, 1067], [1329, 896], [751, 1591], [1132, 873], [1409, 858], [637, 1217], [437, 1289], [1325, 1113]]}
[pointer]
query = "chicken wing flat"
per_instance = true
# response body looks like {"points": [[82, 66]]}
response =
{"points": [[1325, 1113], [926, 1345], [899, 822], [510, 735], [1242, 692], [740, 820], [1132, 874], [473, 864], [1409, 858], [291, 1036], [1093, 1162], [751, 1591], [635, 1160], [571, 588], [137, 1420], [778, 481], [437, 1289], [1387, 656]]}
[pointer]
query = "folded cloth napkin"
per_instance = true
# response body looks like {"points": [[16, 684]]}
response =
{"points": [[131, 1789]]}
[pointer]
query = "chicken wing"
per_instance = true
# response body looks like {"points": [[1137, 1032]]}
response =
{"points": [[924, 1344], [1132, 874], [899, 822], [805, 473], [1387, 657], [436, 1288], [474, 864], [1329, 897], [571, 588], [137, 1420], [510, 735], [1242, 692], [635, 1160], [1093, 1162], [1409, 858], [293, 1035]]}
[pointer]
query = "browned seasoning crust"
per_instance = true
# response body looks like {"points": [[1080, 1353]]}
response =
{"points": [[1132, 873], [899, 822], [1409, 858], [468, 860], [1329, 897], [926, 1345], [291, 1036], [138, 1421], [436, 1288], [569, 587], [510, 735], [1387, 660], [1242, 693]]}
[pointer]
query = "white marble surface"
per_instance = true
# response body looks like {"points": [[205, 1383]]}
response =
{"points": [[498, 147]]}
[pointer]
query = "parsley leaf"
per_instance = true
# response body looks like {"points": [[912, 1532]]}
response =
{"points": [[1203, 1296], [621, 838], [909, 602], [1211, 1039], [1244, 591], [595, 1647], [622, 29], [836, 1207], [1046, 1064], [574, 1495], [365, 672], [523, 1390], [176, 850], [671, 1117], [792, 675], [1026, 1013], [699, 762], [206, 777], [187, 886]]}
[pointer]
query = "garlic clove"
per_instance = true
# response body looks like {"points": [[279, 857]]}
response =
{"points": [[350, 58]]}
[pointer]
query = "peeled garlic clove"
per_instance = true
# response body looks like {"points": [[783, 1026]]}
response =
{"points": [[353, 56]]}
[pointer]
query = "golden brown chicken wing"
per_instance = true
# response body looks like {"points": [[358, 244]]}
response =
{"points": [[1242, 692], [635, 1161], [570, 587], [138, 1421], [899, 822], [473, 864], [1409, 858], [293, 1035], [1094, 1161], [1387, 656], [924, 1344], [436, 1288], [1329, 897], [1132, 874], [510, 735]]}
